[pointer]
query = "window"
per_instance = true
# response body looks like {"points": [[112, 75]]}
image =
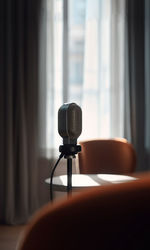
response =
{"points": [[85, 49]]}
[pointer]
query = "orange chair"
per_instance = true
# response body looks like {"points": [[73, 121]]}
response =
{"points": [[107, 217], [108, 156]]}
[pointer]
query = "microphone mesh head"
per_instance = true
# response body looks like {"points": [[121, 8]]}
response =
{"points": [[70, 122]]}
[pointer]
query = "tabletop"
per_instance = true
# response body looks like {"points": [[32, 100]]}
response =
{"points": [[88, 180]]}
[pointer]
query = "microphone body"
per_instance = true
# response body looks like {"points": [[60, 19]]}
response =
{"points": [[70, 123]]}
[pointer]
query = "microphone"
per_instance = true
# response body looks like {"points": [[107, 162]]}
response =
{"points": [[69, 128], [69, 123]]}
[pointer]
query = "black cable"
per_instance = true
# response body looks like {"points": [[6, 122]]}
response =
{"points": [[51, 177]]}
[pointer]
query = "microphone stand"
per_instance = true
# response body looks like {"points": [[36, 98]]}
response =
{"points": [[69, 174], [69, 151]]}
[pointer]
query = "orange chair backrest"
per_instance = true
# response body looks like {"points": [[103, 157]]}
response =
{"points": [[116, 216], [107, 156]]}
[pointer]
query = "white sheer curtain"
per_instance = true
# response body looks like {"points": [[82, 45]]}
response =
{"points": [[103, 69], [94, 31]]}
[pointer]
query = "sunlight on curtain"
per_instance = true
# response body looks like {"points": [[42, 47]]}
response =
{"points": [[103, 70], [96, 88], [95, 66], [54, 96]]}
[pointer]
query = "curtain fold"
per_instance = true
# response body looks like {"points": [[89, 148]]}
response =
{"points": [[117, 53], [147, 81], [137, 70], [19, 31]]}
